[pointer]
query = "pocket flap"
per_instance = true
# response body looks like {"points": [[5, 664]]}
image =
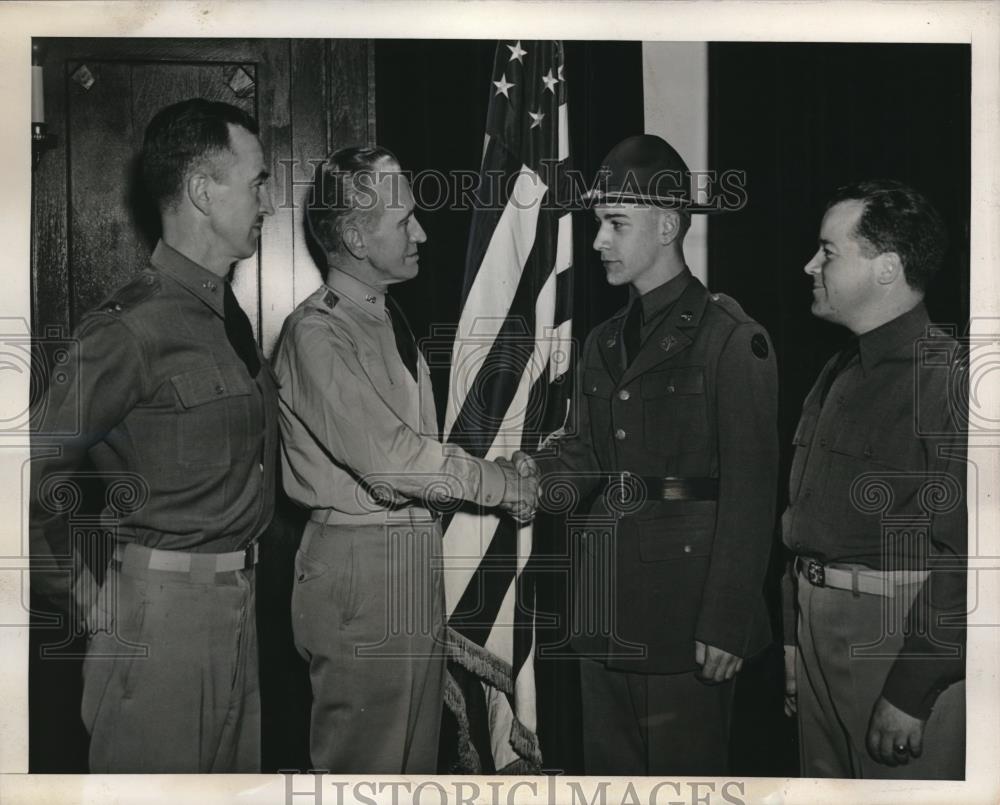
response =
{"points": [[683, 536], [679, 380], [597, 384], [212, 383]]}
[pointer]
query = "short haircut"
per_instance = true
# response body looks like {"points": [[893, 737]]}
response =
{"points": [[343, 193], [896, 218], [182, 135]]}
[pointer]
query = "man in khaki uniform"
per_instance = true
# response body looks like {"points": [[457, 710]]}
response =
{"points": [[360, 450], [876, 595], [177, 410]]}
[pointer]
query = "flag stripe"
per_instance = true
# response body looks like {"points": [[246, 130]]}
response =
{"points": [[511, 349]]}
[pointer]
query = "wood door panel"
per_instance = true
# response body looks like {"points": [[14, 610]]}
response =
{"points": [[105, 249], [113, 227], [93, 229]]}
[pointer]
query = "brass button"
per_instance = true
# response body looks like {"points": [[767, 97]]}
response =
{"points": [[670, 389], [219, 389], [594, 388], [822, 442], [623, 394], [620, 434], [687, 549]]}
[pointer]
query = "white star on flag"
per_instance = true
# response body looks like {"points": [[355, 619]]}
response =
{"points": [[536, 118], [560, 73], [502, 86], [550, 82], [516, 52]]}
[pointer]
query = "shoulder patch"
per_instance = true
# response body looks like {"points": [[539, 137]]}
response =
{"points": [[758, 345], [143, 287]]}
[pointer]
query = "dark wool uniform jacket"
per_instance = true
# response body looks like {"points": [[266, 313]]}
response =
{"points": [[698, 401]]}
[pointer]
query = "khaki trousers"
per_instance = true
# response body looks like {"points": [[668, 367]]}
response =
{"points": [[174, 688], [837, 691], [368, 616]]}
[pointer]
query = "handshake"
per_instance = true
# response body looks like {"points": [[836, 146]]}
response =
{"points": [[522, 476]]}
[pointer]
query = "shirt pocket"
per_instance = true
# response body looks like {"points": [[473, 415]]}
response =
{"points": [[675, 418], [214, 415], [885, 447], [800, 446]]}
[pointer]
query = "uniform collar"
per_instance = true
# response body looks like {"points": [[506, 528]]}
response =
{"points": [[893, 338], [654, 302], [360, 293], [208, 287]]}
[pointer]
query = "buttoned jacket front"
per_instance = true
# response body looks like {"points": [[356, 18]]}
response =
{"points": [[698, 401]]}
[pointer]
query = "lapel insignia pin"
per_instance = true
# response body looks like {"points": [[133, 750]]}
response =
{"points": [[686, 316], [668, 342], [611, 342], [369, 298]]}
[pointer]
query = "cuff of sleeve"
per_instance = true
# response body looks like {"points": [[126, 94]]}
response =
{"points": [[914, 683], [789, 613], [493, 485]]}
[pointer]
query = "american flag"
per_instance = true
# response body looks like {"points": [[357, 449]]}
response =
{"points": [[511, 352]]}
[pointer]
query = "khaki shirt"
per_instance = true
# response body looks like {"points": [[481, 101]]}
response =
{"points": [[359, 435], [880, 461], [181, 437]]}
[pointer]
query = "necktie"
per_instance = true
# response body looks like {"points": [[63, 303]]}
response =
{"points": [[405, 344], [239, 332], [632, 331], [847, 354]]}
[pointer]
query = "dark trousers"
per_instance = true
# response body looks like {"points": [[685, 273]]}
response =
{"points": [[368, 616], [174, 688], [653, 724]]}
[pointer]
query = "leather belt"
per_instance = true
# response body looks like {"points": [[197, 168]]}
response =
{"points": [[184, 562], [666, 488], [856, 580]]}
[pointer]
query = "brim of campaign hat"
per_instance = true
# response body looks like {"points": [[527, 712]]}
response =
{"points": [[611, 197]]}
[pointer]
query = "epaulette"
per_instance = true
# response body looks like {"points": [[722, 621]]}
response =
{"points": [[132, 294], [729, 305]]}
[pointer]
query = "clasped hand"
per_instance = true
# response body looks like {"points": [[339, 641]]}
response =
{"points": [[521, 474]]}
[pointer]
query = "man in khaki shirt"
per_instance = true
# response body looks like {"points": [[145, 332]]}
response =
{"points": [[360, 449]]}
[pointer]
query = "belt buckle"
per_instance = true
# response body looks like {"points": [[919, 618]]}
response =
{"points": [[815, 573], [250, 555]]}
